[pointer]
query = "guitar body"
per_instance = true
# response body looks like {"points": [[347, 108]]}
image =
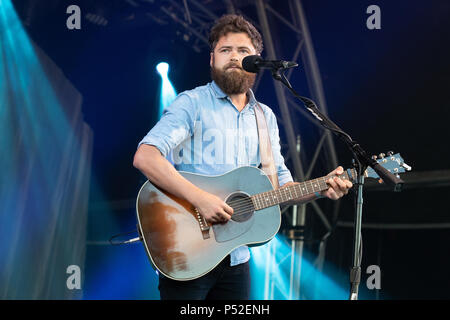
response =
{"points": [[175, 239]]}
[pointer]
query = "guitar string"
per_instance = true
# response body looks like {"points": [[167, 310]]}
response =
{"points": [[241, 203], [285, 191], [246, 205]]}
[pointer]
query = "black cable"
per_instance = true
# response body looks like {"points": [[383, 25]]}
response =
{"points": [[121, 234], [311, 105]]}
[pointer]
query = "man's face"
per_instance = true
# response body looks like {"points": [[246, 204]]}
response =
{"points": [[226, 63]]}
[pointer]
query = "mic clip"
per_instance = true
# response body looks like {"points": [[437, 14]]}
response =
{"points": [[277, 74]]}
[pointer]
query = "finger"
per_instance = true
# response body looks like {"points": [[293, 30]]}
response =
{"points": [[348, 185], [338, 171], [342, 185], [211, 220], [335, 188], [332, 194], [224, 216], [288, 184], [332, 183], [228, 210]]}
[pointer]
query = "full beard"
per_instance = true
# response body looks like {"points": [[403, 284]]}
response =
{"points": [[234, 81]]}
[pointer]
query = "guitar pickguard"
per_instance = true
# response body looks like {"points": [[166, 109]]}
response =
{"points": [[231, 229]]}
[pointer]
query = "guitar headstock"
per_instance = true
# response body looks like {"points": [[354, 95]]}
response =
{"points": [[394, 163]]}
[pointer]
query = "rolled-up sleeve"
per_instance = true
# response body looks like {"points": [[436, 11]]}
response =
{"points": [[284, 175], [175, 125]]}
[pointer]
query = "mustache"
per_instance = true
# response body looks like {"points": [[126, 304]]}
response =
{"points": [[231, 65]]}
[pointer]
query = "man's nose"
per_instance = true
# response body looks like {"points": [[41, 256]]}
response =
{"points": [[234, 56]]}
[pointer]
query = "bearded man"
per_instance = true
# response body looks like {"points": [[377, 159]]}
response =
{"points": [[212, 130]]}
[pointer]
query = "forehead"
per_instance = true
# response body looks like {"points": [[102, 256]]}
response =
{"points": [[232, 39]]}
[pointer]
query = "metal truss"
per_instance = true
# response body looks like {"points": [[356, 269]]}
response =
{"points": [[299, 26]]}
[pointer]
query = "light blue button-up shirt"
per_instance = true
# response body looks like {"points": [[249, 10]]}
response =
{"points": [[203, 132]]}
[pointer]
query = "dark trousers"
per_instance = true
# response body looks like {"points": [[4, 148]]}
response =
{"points": [[222, 283]]}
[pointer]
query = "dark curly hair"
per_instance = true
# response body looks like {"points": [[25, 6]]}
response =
{"points": [[237, 24]]}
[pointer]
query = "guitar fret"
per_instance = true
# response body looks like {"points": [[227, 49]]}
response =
{"points": [[324, 183], [274, 197], [316, 186], [310, 187], [266, 199], [255, 202], [303, 190], [261, 201]]}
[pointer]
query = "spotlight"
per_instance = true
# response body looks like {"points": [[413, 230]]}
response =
{"points": [[163, 69], [168, 93]]}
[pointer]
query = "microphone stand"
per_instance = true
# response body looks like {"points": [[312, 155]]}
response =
{"points": [[361, 161]]}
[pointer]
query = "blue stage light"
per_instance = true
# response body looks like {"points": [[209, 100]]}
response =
{"points": [[45, 163], [271, 272], [163, 69], [167, 92]]}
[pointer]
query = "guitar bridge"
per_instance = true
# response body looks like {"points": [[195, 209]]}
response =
{"points": [[203, 224]]}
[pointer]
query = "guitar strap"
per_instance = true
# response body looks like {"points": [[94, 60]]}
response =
{"points": [[265, 147]]}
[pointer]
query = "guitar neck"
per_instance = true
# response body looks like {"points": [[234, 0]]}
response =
{"points": [[294, 192]]}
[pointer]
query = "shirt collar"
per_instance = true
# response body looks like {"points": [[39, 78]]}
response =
{"points": [[251, 98], [220, 94]]}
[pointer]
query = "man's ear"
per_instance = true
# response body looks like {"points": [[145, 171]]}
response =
{"points": [[211, 58]]}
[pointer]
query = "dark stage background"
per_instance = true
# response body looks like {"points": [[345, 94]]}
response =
{"points": [[388, 88]]}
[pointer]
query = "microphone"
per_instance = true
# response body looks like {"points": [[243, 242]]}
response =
{"points": [[254, 63]]}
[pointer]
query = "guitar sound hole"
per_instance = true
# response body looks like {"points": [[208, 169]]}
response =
{"points": [[242, 205]]}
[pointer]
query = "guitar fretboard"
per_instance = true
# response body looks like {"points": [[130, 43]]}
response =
{"points": [[292, 193]]}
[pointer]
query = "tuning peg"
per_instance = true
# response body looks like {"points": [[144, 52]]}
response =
{"points": [[390, 153], [381, 155], [407, 168], [374, 157]]}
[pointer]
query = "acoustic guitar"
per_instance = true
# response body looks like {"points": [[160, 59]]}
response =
{"points": [[183, 246]]}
